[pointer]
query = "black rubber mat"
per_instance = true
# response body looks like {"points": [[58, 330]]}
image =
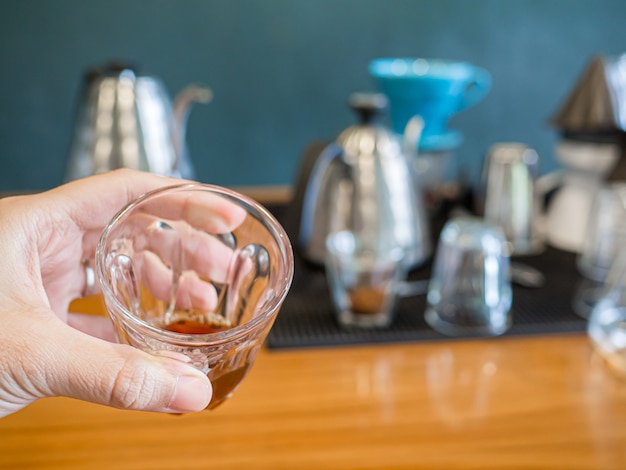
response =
{"points": [[306, 318]]}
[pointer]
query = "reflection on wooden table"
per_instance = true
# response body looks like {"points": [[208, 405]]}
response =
{"points": [[533, 402]]}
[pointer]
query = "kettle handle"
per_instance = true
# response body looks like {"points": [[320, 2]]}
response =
{"points": [[477, 89], [180, 112], [412, 135], [548, 182], [311, 194]]}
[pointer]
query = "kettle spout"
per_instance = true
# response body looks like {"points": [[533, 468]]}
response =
{"points": [[189, 95], [412, 135], [182, 104]]}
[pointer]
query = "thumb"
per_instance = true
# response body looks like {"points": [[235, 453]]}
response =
{"points": [[87, 368]]}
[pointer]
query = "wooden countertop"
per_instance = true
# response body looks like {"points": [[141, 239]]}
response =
{"points": [[544, 402]]}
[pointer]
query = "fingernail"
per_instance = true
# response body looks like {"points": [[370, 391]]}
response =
{"points": [[192, 393]]}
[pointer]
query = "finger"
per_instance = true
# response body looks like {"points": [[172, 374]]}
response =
{"points": [[121, 376], [77, 212], [91, 202], [94, 325], [195, 293], [181, 246], [192, 292], [214, 213]]}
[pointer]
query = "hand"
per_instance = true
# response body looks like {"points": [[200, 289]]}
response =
{"points": [[47, 352]]}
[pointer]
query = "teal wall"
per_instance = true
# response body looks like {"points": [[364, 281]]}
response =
{"points": [[281, 71]]}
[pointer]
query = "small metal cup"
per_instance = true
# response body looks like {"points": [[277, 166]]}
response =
{"points": [[511, 202]]}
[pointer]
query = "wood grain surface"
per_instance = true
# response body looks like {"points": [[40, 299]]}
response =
{"points": [[536, 402]]}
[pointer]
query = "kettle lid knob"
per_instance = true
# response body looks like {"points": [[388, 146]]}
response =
{"points": [[368, 106], [113, 68]]}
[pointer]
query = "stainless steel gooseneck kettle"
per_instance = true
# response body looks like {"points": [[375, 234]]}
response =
{"points": [[363, 182], [128, 121]]}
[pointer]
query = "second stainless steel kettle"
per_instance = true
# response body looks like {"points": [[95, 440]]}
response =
{"points": [[128, 121], [363, 182]]}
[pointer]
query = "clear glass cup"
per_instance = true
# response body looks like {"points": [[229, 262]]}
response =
{"points": [[605, 232], [470, 289], [363, 278], [196, 270], [605, 235], [607, 322]]}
